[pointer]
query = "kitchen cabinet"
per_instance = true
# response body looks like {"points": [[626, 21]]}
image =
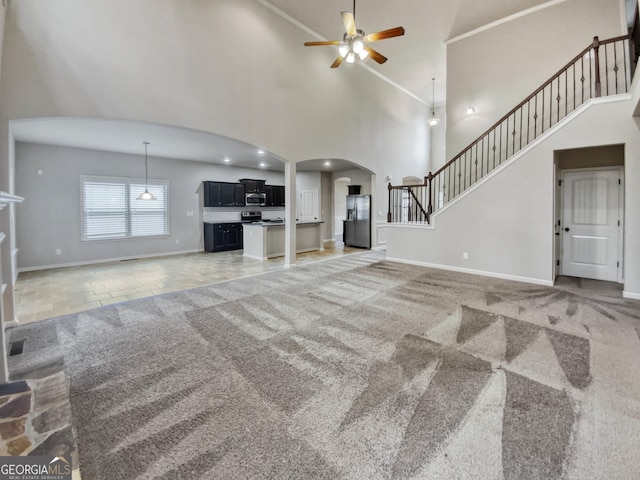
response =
{"points": [[253, 186], [275, 195], [219, 237], [223, 194]]}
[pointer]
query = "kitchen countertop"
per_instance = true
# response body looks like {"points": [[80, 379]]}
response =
{"points": [[263, 240], [278, 224], [229, 221]]}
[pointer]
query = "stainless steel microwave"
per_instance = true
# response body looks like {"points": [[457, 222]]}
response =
{"points": [[255, 199]]}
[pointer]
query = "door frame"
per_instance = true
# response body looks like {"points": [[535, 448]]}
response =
{"points": [[621, 212]]}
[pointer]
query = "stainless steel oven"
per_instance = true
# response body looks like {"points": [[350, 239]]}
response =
{"points": [[255, 199]]}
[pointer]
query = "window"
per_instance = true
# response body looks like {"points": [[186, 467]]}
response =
{"points": [[110, 208]]}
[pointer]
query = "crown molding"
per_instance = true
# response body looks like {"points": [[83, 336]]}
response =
{"points": [[504, 20]]}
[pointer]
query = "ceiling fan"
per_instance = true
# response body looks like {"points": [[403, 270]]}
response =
{"points": [[354, 43]]}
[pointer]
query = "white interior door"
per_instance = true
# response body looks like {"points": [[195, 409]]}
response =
{"points": [[591, 223], [308, 205]]}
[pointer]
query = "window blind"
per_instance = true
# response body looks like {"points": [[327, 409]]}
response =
{"points": [[110, 209]]}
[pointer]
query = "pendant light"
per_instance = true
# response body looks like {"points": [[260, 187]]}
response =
{"points": [[146, 195], [433, 121]]}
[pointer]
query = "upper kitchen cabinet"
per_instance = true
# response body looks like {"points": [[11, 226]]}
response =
{"points": [[223, 194], [253, 186], [275, 195]]}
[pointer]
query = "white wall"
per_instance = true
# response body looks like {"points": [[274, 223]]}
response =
{"points": [[496, 69], [506, 223], [50, 216], [186, 63]]}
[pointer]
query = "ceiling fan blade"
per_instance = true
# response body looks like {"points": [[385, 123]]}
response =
{"points": [[337, 63], [376, 56], [349, 23], [317, 44], [390, 33]]}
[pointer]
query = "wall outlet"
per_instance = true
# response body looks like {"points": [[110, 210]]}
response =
{"points": [[40, 171], [190, 213], [465, 255], [58, 251], [177, 241]]}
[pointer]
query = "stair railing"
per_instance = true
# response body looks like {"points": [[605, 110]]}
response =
{"points": [[603, 68]]}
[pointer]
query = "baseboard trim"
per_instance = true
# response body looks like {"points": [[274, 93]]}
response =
{"points": [[631, 295], [483, 273], [106, 260]]}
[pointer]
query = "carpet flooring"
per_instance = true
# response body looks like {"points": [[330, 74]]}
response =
{"points": [[356, 368]]}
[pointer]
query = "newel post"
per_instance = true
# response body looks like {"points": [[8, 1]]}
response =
{"points": [[429, 179], [596, 61], [389, 211]]}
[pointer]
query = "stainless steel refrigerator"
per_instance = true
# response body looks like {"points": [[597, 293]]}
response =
{"points": [[357, 227]]}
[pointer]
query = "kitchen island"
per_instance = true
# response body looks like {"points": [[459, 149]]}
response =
{"points": [[263, 240]]}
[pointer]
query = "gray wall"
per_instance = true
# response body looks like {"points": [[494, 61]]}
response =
{"points": [[497, 68], [505, 222], [50, 216]]}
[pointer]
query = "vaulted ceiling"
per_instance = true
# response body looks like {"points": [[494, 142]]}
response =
{"points": [[420, 54], [414, 59]]}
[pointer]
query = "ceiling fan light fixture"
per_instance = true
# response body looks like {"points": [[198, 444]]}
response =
{"points": [[358, 44], [354, 44]]}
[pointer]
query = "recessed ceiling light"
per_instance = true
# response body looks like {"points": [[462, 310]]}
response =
{"points": [[226, 160], [260, 152], [262, 164], [327, 163]]}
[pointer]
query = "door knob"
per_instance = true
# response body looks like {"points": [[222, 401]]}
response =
{"points": [[566, 229]]}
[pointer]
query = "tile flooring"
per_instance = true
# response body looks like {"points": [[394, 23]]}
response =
{"points": [[49, 293]]}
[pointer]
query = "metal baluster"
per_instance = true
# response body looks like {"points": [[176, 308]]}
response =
{"points": [[574, 86], [615, 67], [513, 134], [542, 119], [566, 93], [535, 117], [606, 71]]}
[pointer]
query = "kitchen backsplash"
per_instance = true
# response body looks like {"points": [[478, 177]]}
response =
{"points": [[220, 215]]}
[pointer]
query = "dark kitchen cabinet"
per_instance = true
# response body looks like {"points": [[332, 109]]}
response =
{"points": [[219, 237], [253, 186], [275, 195], [223, 194]]}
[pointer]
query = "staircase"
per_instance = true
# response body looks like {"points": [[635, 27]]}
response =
{"points": [[604, 68]]}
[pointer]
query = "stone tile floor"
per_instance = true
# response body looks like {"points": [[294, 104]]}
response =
{"points": [[49, 293], [35, 418]]}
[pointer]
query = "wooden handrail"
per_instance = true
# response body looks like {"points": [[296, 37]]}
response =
{"points": [[535, 114], [530, 97]]}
